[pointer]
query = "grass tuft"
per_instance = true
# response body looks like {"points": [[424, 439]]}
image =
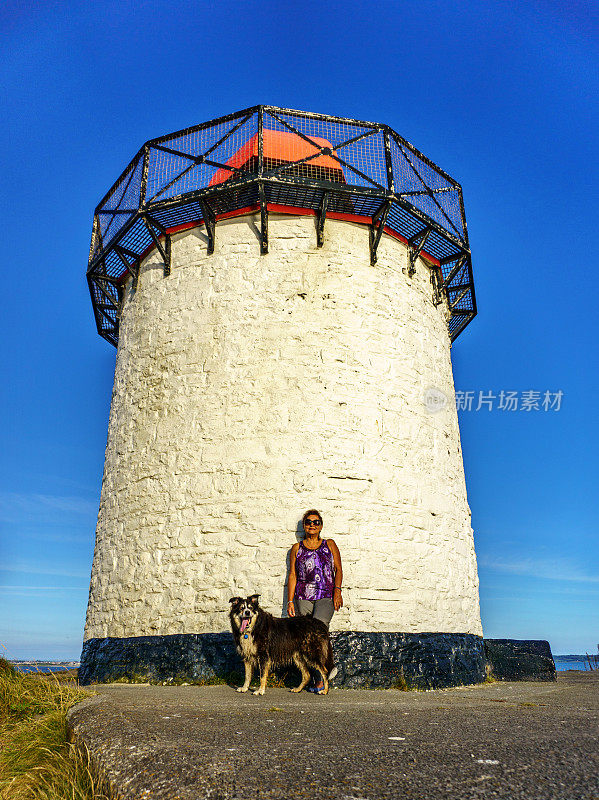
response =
{"points": [[36, 760], [402, 684], [6, 668]]}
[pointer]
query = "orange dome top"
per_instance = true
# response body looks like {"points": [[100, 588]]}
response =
{"points": [[280, 147]]}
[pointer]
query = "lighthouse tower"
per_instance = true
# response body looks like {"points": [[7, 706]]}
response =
{"points": [[283, 289]]}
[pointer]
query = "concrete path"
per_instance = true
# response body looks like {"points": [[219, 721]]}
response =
{"points": [[501, 740]]}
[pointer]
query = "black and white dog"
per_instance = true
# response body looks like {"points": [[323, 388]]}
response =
{"points": [[265, 641]]}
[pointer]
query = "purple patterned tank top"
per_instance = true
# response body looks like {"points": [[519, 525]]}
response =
{"points": [[314, 572]]}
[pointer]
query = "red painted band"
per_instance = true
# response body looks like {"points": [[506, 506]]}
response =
{"points": [[281, 209]]}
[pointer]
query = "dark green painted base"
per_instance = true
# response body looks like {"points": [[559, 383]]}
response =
{"points": [[520, 660], [381, 660]]}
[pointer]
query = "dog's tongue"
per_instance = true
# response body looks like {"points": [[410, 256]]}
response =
{"points": [[244, 624]]}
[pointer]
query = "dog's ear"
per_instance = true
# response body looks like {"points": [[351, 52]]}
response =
{"points": [[253, 598], [236, 600]]}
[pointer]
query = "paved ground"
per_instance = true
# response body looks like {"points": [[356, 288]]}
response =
{"points": [[502, 740]]}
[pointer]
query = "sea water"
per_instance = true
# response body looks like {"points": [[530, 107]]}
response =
{"points": [[561, 665], [32, 666]]}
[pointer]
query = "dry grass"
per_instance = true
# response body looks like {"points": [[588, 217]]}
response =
{"points": [[36, 760]]}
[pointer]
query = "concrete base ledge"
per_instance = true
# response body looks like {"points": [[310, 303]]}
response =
{"points": [[364, 659], [497, 740]]}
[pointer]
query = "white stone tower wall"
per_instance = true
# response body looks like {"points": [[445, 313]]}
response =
{"points": [[249, 388]]}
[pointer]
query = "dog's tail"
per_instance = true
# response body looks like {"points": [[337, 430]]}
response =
{"points": [[330, 661]]}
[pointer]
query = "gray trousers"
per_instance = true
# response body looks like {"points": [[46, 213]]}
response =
{"points": [[322, 609]]}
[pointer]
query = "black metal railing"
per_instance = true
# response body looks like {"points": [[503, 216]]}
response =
{"points": [[266, 156]]}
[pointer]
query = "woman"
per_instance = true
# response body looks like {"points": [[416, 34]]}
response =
{"points": [[315, 577]]}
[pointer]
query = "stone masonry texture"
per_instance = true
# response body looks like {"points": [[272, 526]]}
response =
{"points": [[520, 660], [250, 388]]}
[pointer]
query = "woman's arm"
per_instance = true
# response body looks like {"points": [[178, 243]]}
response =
{"points": [[338, 575], [292, 581]]}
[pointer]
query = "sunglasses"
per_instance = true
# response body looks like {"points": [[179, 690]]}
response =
{"points": [[310, 522]]}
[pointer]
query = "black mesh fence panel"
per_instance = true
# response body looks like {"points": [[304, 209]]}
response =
{"points": [[266, 157]]}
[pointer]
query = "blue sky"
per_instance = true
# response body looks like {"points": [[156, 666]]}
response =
{"points": [[501, 95]]}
